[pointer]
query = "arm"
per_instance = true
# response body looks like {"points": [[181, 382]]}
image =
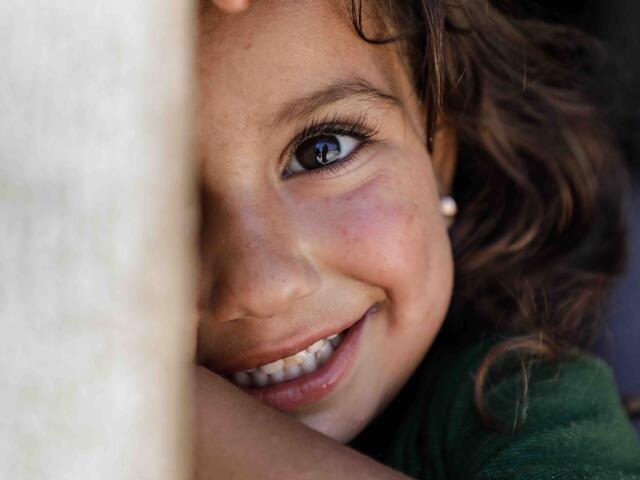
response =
{"points": [[237, 437]]}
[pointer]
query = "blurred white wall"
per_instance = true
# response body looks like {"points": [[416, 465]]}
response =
{"points": [[96, 238]]}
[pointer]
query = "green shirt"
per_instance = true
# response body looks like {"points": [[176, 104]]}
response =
{"points": [[572, 425]]}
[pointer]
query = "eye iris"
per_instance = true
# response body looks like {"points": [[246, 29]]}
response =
{"points": [[318, 151]]}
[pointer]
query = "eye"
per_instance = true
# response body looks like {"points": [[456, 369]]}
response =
{"points": [[321, 150]]}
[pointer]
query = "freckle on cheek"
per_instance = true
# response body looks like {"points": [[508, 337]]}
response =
{"points": [[377, 223]]}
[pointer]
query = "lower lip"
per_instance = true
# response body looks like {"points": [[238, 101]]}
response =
{"points": [[314, 386]]}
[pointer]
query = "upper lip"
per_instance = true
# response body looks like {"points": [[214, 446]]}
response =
{"points": [[262, 357]]}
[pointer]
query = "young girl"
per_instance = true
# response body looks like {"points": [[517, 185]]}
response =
{"points": [[356, 158]]}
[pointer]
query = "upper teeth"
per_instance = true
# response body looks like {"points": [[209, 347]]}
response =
{"points": [[304, 361]]}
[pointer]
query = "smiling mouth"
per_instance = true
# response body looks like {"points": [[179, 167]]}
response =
{"points": [[304, 362], [309, 375]]}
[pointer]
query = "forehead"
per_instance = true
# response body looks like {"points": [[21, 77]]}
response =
{"points": [[250, 64]]}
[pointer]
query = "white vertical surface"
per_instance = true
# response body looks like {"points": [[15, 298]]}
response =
{"points": [[96, 239]]}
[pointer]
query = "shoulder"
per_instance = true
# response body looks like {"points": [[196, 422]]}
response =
{"points": [[556, 420]]}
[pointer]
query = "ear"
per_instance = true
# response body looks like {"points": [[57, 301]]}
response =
{"points": [[444, 156]]}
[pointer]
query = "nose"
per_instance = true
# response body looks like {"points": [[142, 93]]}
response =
{"points": [[254, 261]]}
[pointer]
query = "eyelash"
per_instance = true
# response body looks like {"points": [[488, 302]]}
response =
{"points": [[357, 128]]}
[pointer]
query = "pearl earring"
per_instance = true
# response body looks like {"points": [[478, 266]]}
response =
{"points": [[449, 208]]}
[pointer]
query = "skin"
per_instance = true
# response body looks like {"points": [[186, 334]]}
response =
{"points": [[285, 258], [231, 6]]}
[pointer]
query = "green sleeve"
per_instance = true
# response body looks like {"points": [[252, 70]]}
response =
{"points": [[572, 425]]}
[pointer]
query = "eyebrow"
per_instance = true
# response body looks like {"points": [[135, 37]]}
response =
{"points": [[311, 103]]}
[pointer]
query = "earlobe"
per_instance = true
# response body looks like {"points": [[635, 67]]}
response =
{"points": [[444, 155]]}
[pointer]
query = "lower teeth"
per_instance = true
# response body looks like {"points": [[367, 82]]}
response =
{"points": [[290, 368]]}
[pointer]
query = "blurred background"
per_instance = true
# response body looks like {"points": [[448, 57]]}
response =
{"points": [[615, 24]]}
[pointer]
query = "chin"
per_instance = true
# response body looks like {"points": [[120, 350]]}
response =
{"points": [[340, 428]]}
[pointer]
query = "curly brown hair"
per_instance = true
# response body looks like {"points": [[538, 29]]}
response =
{"points": [[541, 233]]}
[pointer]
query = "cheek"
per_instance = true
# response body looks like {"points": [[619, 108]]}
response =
{"points": [[390, 237], [380, 235], [389, 234]]}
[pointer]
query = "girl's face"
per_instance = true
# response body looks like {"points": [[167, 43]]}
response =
{"points": [[321, 214]]}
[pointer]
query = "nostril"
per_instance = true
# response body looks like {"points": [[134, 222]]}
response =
{"points": [[262, 291], [252, 260]]}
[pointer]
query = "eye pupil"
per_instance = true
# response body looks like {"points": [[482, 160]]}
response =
{"points": [[318, 151]]}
